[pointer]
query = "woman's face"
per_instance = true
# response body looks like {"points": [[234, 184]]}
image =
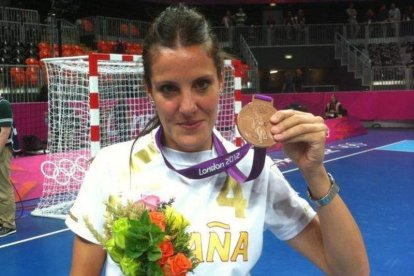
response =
{"points": [[185, 89]]}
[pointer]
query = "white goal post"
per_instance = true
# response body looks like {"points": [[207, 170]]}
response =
{"points": [[95, 101]]}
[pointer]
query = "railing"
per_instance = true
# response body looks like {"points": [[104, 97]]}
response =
{"points": [[21, 83], [35, 32], [253, 82], [113, 29], [356, 61], [19, 15], [392, 77], [315, 34], [320, 88], [69, 32]]}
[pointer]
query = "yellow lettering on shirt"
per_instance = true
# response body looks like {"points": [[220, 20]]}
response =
{"points": [[237, 201], [196, 246], [220, 245], [215, 245], [143, 157], [241, 247]]}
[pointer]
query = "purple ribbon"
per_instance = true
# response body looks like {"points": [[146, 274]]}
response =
{"points": [[225, 161]]}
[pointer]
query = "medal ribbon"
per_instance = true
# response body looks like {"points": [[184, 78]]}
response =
{"points": [[225, 161]]}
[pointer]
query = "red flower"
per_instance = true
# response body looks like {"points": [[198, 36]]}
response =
{"points": [[177, 265], [167, 250]]}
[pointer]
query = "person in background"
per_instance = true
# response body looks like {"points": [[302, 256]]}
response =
{"points": [[370, 18], [302, 26], [288, 83], [181, 135], [119, 47], [382, 17], [334, 108], [227, 20], [408, 13], [240, 18], [298, 80], [352, 20], [394, 17], [7, 200], [291, 22]]}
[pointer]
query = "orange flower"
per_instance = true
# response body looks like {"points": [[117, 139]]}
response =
{"points": [[158, 219], [166, 269], [167, 250], [179, 264]]}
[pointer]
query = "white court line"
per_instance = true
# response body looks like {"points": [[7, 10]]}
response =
{"points": [[348, 155], [393, 144], [326, 161], [33, 238]]}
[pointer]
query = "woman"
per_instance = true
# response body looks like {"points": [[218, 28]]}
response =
{"points": [[334, 108], [183, 74]]}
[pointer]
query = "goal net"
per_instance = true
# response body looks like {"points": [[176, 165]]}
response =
{"points": [[96, 101]]}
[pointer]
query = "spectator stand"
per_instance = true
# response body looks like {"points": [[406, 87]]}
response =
{"points": [[20, 15], [93, 30]]}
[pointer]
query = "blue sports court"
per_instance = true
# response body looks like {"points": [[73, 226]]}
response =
{"points": [[376, 175]]}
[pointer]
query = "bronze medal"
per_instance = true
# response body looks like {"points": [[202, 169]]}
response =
{"points": [[253, 122]]}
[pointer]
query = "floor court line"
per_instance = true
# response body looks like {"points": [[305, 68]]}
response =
{"points": [[348, 155], [286, 171], [403, 146], [34, 238]]}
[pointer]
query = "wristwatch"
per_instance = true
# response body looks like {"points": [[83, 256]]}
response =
{"points": [[325, 200]]}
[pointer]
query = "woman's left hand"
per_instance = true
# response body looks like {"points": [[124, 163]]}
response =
{"points": [[302, 136]]}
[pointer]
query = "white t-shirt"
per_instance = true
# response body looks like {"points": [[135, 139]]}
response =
{"points": [[227, 219]]}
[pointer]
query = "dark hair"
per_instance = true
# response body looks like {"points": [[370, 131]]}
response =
{"points": [[177, 26]]}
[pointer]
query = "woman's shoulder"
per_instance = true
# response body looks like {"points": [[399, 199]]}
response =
{"points": [[125, 147]]}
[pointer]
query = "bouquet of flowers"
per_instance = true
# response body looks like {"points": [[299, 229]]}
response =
{"points": [[146, 237]]}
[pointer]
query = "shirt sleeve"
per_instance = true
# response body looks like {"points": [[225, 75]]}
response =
{"points": [[287, 214]]}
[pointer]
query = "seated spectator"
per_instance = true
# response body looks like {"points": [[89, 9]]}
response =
{"points": [[119, 47], [298, 80], [288, 84], [334, 109]]}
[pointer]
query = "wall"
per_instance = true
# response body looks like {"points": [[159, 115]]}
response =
{"points": [[392, 105], [366, 106], [30, 119]]}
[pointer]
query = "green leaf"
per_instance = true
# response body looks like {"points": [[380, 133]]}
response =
{"points": [[154, 254], [129, 267], [119, 231], [115, 252], [154, 269]]}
